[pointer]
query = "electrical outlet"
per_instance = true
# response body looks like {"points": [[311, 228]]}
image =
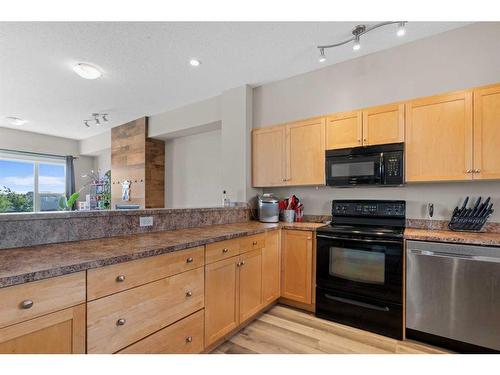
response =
{"points": [[146, 221]]}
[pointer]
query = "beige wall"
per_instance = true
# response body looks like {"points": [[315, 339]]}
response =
{"points": [[453, 60], [193, 170]]}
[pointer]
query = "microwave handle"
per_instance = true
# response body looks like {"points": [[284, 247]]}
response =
{"points": [[381, 167]]}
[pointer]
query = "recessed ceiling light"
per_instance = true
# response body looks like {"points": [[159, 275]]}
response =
{"points": [[87, 71], [401, 29], [194, 62], [16, 121]]}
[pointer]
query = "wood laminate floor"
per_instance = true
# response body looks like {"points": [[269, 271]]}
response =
{"points": [[284, 330]]}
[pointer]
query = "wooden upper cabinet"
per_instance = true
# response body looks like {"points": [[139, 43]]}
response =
{"points": [[296, 265], [487, 133], [439, 138], [344, 130], [383, 124], [306, 152], [290, 154], [268, 156]]}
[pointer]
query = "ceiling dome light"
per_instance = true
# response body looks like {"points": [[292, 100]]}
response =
{"points": [[322, 57], [194, 62], [356, 46], [401, 29], [16, 121], [87, 71]]}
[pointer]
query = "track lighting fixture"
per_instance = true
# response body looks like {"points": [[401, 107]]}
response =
{"points": [[97, 119], [356, 36]]}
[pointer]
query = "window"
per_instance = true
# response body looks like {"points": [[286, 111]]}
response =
{"points": [[30, 184]]}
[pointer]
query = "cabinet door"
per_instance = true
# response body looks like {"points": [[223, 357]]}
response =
{"points": [[344, 130], [487, 133], [268, 156], [296, 263], [61, 332], [271, 264], [383, 124], [306, 152], [221, 298], [250, 284], [439, 138]]}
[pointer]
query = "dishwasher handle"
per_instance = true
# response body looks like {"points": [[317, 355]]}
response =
{"points": [[443, 254]]}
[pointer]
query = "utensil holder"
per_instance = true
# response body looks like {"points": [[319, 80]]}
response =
{"points": [[288, 216]]}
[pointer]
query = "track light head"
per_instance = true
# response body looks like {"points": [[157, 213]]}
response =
{"points": [[401, 29], [86, 122], [356, 46], [105, 118], [322, 57]]}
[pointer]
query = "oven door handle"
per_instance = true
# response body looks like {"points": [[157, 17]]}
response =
{"points": [[357, 303], [359, 239]]}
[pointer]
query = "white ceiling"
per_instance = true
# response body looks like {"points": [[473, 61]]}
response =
{"points": [[146, 68]]}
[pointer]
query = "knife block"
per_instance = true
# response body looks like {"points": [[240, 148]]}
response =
{"points": [[471, 219]]}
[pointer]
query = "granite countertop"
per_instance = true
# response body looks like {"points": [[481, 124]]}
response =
{"points": [[25, 264], [480, 238], [301, 226]]}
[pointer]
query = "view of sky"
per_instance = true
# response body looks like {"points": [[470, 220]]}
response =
{"points": [[19, 176]]}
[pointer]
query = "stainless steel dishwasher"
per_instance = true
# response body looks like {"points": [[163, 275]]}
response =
{"points": [[453, 292]]}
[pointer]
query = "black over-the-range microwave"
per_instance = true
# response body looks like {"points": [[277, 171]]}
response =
{"points": [[380, 165]]}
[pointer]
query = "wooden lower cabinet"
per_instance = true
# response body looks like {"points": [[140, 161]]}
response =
{"points": [[61, 332], [271, 265], [121, 319], [183, 337], [250, 284], [221, 298], [297, 266]]}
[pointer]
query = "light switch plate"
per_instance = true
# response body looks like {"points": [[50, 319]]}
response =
{"points": [[146, 221]]}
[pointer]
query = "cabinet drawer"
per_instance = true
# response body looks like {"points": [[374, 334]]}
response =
{"points": [[117, 321], [116, 278], [27, 301], [254, 242], [222, 250], [183, 337]]}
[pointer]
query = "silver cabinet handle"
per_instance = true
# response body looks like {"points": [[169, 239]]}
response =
{"points": [[225, 250], [254, 243], [243, 263], [121, 322], [189, 293], [189, 260], [120, 278], [189, 339], [477, 171], [468, 171], [27, 304]]}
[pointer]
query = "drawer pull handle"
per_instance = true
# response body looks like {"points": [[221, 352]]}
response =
{"points": [[121, 322], [189, 260], [189, 293], [189, 339], [120, 278], [27, 304], [225, 250]]}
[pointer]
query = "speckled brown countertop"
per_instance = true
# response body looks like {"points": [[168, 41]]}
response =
{"points": [[480, 238], [25, 264]]}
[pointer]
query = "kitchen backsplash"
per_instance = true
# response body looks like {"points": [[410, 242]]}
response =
{"points": [[18, 230], [445, 197]]}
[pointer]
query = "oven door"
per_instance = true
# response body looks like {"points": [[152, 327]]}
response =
{"points": [[349, 170], [362, 266]]}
